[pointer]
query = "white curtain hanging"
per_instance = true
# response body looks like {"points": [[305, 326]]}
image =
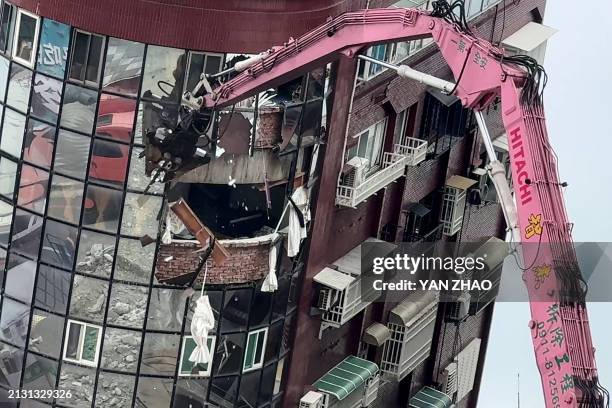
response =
{"points": [[174, 226], [270, 283], [203, 321], [297, 232]]}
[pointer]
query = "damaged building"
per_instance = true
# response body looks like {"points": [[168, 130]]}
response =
{"points": [[103, 265]]}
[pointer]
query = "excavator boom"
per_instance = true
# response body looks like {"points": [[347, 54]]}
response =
{"points": [[559, 325]]}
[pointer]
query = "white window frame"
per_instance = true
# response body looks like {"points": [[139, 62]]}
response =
{"points": [[373, 165], [211, 350], [206, 55], [256, 365], [84, 81], [14, 51], [80, 360]]}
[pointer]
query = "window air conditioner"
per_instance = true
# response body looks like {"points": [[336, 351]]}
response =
{"points": [[312, 399], [460, 308], [325, 299], [449, 379]]}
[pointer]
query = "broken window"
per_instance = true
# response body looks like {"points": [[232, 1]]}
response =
{"points": [[254, 353], [188, 368], [82, 343], [26, 37], [86, 61], [237, 211]]}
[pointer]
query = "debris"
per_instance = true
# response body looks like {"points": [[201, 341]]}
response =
{"points": [[202, 322], [270, 283], [299, 216], [168, 258], [146, 240]]}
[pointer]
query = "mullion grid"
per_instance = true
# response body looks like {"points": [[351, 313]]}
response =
{"points": [[86, 182]]}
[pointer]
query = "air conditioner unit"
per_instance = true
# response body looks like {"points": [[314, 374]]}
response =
{"points": [[449, 379], [326, 299], [312, 399], [358, 172], [460, 309]]}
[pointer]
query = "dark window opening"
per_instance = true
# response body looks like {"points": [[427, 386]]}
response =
{"points": [[5, 28], [237, 211], [86, 62], [444, 120]]}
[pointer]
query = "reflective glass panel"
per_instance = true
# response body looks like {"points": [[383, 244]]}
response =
{"points": [[19, 88], [52, 287], [229, 354], [78, 109], [38, 144], [6, 220], [4, 70], [151, 116], [14, 322], [140, 215], [96, 251], [71, 154], [80, 382], [8, 176], [107, 395], [53, 48], [59, 244], [109, 162], [123, 66], [236, 308], [127, 305], [214, 298], [138, 180], [121, 349], [40, 374], [12, 132], [102, 208], [20, 274], [46, 98], [12, 359], [116, 118], [27, 228], [134, 262], [65, 199], [33, 187], [88, 298], [154, 392], [163, 75], [166, 309], [224, 390], [46, 333], [160, 354]]}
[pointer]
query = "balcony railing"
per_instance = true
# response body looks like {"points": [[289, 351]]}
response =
{"points": [[410, 153], [415, 150], [392, 168]]}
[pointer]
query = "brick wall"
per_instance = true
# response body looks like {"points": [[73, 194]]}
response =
{"points": [[247, 262]]}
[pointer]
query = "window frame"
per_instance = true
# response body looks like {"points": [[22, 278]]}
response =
{"points": [[85, 81], [206, 55], [80, 359], [7, 41], [18, 15], [211, 349], [255, 365], [373, 166]]}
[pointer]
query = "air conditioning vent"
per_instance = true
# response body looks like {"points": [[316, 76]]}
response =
{"points": [[449, 379], [459, 310], [312, 399], [325, 299]]}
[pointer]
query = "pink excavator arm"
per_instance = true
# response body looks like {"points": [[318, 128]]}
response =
{"points": [[559, 325]]}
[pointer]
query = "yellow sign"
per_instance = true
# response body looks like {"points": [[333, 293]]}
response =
{"points": [[535, 226]]}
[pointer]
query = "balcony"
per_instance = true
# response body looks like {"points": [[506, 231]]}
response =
{"points": [[415, 150]]}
